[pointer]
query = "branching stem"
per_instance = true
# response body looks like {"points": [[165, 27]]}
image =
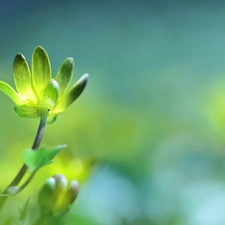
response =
{"points": [[5, 194]]}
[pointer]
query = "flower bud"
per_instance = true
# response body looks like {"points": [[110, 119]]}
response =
{"points": [[56, 196], [49, 95], [72, 191], [46, 195], [61, 181]]}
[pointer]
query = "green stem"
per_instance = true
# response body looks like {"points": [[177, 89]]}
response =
{"points": [[25, 183], [36, 144], [5, 195], [40, 132]]}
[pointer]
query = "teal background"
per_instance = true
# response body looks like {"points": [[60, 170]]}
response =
{"points": [[152, 117]]}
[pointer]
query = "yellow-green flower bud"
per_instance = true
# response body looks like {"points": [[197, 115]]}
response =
{"points": [[56, 197], [49, 95], [46, 196]]}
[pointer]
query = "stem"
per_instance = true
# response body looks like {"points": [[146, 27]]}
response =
{"points": [[40, 132], [4, 195], [36, 144], [25, 183]]}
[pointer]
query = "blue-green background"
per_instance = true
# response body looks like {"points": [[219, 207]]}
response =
{"points": [[152, 117]]}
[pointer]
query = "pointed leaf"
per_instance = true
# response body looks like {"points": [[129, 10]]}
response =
{"points": [[65, 74], [8, 90], [22, 77], [72, 95], [50, 94], [41, 69], [40, 157], [23, 213]]}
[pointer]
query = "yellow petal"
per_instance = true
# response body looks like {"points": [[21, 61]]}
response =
{"points": [[72, 95], [22, 77], [8, 90], [64, 75], [41, 69]]}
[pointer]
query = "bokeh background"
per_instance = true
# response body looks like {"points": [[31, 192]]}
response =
{"points": [[146, 139]]}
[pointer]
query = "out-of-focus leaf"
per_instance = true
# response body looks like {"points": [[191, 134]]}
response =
{"points": [[23, 213]]}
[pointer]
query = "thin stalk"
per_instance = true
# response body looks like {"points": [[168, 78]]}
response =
{"points": [[20, 188], [5, 195], [36, 144]]}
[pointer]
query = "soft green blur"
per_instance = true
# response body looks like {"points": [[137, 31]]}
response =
{"points": [[146, 139]]}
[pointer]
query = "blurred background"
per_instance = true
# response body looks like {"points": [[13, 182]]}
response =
{"points": [[146, 139]]}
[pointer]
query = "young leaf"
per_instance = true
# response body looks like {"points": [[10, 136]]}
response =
{"points": [[23, 213], [40, 157]]}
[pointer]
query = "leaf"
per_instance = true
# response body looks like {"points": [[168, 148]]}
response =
{"points": [[23, 213], [40, 157]]}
